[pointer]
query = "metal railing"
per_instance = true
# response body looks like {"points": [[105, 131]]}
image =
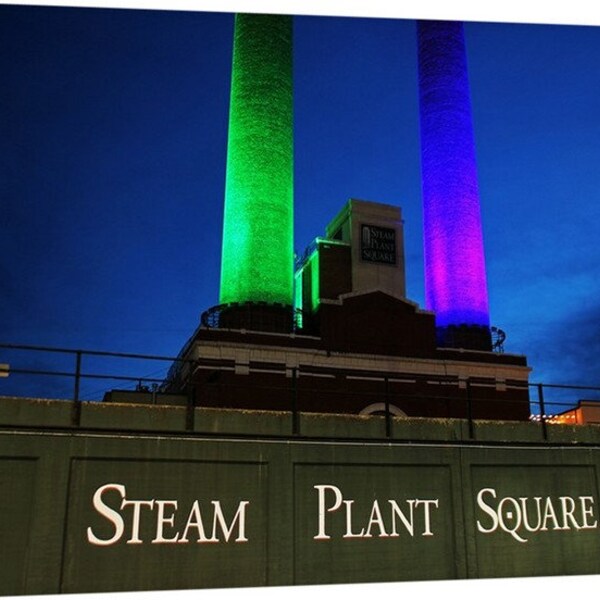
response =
{"points": [[549, 410]]}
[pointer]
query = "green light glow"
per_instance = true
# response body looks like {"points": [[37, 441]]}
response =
{"points": [[315, 290], [298, 295], [257, 258]]}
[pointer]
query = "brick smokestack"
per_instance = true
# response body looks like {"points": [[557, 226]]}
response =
{"points": [[455, 278]]}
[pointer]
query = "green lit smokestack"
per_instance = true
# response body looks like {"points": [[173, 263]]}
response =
{"points": [[258, 257]]}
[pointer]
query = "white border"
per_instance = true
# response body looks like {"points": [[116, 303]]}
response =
{"points": [[575, 12]]}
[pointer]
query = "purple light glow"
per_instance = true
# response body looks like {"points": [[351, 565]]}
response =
{"points": [[455, 281]]}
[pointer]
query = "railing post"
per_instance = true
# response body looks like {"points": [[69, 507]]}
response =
{"points": [[470, 410], [295, 422], [76, 416], [540, 388], [388, 421]]}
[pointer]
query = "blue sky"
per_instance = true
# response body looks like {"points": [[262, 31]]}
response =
{"points": [[113, 137]]}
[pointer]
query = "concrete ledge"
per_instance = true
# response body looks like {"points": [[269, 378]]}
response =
{"points": [[572, 434], [424, 429], [35, 412], [505, 431], [232, 421], [98, 415], [113, 416]]}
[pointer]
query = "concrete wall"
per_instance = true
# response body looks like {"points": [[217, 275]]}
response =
{"points": [[258, 506]]}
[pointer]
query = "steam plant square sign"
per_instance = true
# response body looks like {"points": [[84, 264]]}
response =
{"points": [[378, 244]]}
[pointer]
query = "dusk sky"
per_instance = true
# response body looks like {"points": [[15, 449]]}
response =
{"points": [[113, 142]]}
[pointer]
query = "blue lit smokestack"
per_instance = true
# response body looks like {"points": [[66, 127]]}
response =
{"points": [[455, 280]]}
